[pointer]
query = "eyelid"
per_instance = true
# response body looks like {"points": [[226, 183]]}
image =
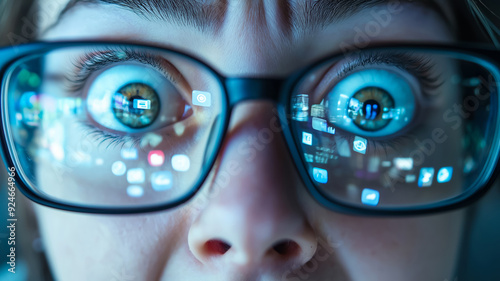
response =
{"points": [[418, 67], [94, 61]]}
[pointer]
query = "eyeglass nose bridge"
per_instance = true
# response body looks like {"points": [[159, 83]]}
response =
{"points": [[243, 89]]}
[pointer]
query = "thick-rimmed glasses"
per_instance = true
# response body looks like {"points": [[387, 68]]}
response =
{"points": [[123, 128]]}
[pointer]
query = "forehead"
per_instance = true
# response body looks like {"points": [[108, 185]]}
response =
{"points": [[296, 14], [270, 32]]}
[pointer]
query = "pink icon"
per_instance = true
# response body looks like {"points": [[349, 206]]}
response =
{"points": [[156, 158]]}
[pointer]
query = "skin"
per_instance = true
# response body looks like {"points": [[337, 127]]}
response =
{"points": [[254, 212]]}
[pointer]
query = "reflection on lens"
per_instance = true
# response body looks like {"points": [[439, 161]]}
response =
{"points": [[31, 109], [300, 107], [76, 140], [366, 144], [367, 108], [136, 105]]}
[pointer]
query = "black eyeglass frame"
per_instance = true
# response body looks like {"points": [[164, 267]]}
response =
{"points": [[277, 90]]}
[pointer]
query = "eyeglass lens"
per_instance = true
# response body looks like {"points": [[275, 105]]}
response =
{"points": [[396, 128], [125, 126]]}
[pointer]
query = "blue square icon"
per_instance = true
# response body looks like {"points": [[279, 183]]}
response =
{"points": [[426, 176], [161, 180], [370, 197], [319, 124], [320, 175], [444, 174]]}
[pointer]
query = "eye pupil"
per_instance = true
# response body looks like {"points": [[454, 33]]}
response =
{"points": [[367, 106], [371, 109]]}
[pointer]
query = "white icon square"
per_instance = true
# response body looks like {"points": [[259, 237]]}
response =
{"points": [[359, 145], [135, 191], [201, 98], [405, 164], [180, 162], [307, 138], [118, 168], [142, 104], [129, 153], [136, 175]]}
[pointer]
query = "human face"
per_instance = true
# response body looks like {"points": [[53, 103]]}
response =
{"points": [[238, 234]]}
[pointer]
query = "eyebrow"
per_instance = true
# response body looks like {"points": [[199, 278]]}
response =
{"points": [[320, 13], [205, 14], [185, 12]]}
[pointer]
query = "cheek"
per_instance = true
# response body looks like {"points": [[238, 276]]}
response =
{"points": [[134, 246], [395, 248]]}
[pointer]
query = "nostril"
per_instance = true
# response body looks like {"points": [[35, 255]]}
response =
{"points": [[286, 248], [216, 247]]}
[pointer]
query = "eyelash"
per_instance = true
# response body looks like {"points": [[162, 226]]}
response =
{"points": [[419, 67], [101, 137], [94, 61]]}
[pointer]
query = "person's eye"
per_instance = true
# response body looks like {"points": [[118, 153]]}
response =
{"points": [[128, 98], [378, 103], [374, 96], [129, 93]]}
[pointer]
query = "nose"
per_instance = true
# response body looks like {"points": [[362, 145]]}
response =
{"points": [[253, 216]]}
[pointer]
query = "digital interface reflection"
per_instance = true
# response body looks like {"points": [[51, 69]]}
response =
{"points": [[118, 127], [36, 108], [136, 127], [384, 135]]}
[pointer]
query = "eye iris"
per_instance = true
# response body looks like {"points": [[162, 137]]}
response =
{"points": [[367, 108], [136, 105]]}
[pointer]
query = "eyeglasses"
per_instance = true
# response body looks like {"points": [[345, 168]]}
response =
{"points": [[122, 128]]}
